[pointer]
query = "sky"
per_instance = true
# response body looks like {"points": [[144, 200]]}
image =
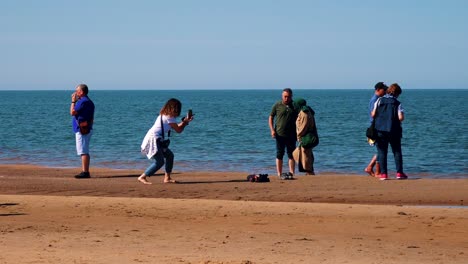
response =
{"points": [[238, 44]]}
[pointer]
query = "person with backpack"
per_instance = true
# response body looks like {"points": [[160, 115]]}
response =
{"points": [[388, 114]]}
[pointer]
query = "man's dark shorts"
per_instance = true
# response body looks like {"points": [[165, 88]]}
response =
{"points": [[282, 143]]}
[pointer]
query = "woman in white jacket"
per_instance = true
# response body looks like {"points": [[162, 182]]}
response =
{"points": [[153, 146]]}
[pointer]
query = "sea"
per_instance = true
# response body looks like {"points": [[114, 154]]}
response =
{"points": [[230, 130]]}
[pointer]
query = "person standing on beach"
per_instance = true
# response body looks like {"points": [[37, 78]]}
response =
{"points": [[388, 113], [153, 144], [282, 122], [82, 110], [307, 136], [380, 89]]}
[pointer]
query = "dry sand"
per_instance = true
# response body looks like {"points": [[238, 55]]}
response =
{"points": [[47, 216]]}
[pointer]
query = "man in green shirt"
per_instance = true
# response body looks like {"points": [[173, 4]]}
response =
{"points": [[282, 123]]}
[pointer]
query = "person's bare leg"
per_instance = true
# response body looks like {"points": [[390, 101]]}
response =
{"points": [[143, 179], [168, 179], [377, 169], [279, 166], [85, 160], [370, 168], [292, 165]]}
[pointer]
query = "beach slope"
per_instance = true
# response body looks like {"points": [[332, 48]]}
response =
{"points": [[47, 216]]}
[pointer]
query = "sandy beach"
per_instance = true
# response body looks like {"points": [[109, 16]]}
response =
{"points": [[47, 216]]}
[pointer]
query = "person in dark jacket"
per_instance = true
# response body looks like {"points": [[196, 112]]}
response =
{"points": [[380, 90], [388, 114]]}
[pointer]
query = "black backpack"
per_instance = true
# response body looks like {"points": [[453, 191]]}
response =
{"points": [[258, 178]]}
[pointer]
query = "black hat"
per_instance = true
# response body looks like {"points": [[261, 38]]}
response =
{"points": [[380, 85]]}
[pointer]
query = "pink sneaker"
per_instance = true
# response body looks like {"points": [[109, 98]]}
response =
{"points": [[401, 176], [383, 177]]}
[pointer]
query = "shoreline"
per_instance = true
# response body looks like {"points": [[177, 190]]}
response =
{"points": [[323, 188], [424, 175]]}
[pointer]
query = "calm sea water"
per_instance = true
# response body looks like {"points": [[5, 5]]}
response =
{"points": [[230, 131]]}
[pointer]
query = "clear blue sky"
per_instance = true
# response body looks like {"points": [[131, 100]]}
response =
{"points": [[238, 44]]}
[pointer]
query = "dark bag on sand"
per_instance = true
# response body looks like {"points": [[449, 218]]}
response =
{"points": [[310, 140], [258, 178], [85, 127]]}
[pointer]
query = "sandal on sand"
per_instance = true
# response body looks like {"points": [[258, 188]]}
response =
{"points": [[171, 181], [144, 180]]}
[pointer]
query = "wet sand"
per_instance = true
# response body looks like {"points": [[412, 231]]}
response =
{"points": [[47, 216]]}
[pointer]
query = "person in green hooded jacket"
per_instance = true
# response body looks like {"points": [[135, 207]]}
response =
{"points": [[307, 137]]}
